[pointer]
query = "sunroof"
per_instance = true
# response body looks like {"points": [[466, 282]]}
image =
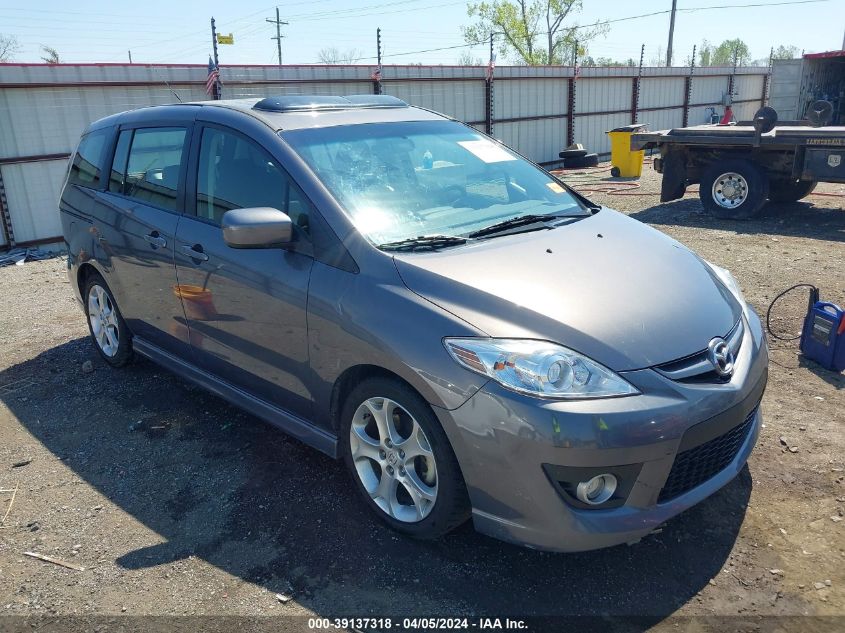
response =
{"points": [[376, 101], [301, 103]]}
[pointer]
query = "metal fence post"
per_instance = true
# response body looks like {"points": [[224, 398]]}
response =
{"points": [[764, 99], [488, 106], [688, 89], [5, 218], [570, 109], [635, 89], [570, 112]]}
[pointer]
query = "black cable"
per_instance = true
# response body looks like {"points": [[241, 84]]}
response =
{"points": [[772, 305]]}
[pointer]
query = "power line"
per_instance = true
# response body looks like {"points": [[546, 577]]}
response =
{"points": [[603, 22]]}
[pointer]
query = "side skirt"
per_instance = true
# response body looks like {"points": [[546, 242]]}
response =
{"points": [[289, 423]]}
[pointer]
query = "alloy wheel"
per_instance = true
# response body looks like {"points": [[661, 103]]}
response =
{"points": [[103, 318], [393, 459]]}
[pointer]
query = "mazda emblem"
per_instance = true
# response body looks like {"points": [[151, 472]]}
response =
{"points": [[721, 357]]}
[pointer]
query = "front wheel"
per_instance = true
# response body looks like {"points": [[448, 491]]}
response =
{"points": [[401, 461], [790, 189], [733, 189]]}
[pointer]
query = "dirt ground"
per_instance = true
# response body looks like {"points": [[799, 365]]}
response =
{"points": [[176, 503]]}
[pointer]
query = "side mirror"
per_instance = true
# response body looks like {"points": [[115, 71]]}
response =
{"points": [[257, 227]]}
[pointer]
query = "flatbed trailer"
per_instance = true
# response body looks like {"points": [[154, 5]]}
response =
{"points": [[740, 167]]}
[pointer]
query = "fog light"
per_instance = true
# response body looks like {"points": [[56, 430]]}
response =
{"points": [[597, 490]]}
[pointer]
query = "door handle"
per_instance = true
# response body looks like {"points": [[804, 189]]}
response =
{"points": [[194, 252], [155, 240]]}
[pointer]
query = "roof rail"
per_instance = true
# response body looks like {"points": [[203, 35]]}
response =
{"points": [[308, 103]]}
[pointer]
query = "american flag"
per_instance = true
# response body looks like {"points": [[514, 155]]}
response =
{"points": [[491, 65], [376, 76], [213, 78]]}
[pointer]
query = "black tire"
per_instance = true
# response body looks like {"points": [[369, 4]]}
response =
{"points": [[580, 162], [790, 190], [615, 172], [572, 153], [123, 352], [451, 506], [753, 193]]}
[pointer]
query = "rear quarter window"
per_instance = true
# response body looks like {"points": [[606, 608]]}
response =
{"points": [[147, 165], [88, 159]]}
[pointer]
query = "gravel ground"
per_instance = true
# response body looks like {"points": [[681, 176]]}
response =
{"points": [[176, 503]]}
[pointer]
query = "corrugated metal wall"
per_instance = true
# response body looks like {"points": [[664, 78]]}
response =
{"points": [[44, 108], [785, 88]]}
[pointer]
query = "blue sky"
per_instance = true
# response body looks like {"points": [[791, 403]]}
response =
{"points": [[172, 31]]}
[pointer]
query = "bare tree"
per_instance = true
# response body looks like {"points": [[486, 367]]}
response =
{"points": [[51, 55], [9, 47], [466, 58], [332, 55]]}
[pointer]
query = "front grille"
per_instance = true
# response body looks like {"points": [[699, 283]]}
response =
{"points": [[697, 368], [696, 465]]}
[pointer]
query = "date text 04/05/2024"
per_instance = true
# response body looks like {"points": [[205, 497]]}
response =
{"points": [[421, 624]]}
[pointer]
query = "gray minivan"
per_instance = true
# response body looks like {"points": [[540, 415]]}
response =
{"points": [[396, 289]]}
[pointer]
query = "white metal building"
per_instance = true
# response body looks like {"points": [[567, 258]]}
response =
{"points": [[537, 110]]}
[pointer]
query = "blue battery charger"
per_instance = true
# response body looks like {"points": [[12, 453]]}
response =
{"points": [[823, 334]]}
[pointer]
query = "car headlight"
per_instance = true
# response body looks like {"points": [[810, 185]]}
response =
{"points": [[538, 368], [729, 282]]}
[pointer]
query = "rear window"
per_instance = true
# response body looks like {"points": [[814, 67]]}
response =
{"points": [[85, 169]]}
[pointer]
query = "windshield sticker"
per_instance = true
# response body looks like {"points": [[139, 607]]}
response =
{"points": [[555, 187], [487, 151]]}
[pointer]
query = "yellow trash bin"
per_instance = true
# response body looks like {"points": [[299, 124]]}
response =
{"points": [[626, 163]]}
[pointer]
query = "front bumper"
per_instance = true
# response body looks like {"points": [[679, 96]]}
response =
{"points": [[505, 443]]}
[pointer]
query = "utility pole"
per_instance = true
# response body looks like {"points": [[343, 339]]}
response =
{"points": [[217, 91], [278, 22], [671, 33], [130, 56]]}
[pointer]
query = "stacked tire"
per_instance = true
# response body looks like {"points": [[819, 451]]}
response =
{"points": [[576, 157]]}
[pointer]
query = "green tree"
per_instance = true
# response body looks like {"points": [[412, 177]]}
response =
{"points": [[723, 54], [705, 53], [609, 61], [785, 52], [532, 32]]}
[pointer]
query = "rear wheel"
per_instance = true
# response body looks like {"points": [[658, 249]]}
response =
{"points": [[733, 189], [790, 190], [105, 323], [401, 460]]}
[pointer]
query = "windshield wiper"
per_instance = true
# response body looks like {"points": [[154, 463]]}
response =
{"points": [[423, 241], [520, 220]]}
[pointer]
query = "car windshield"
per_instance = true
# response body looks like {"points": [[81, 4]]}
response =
{"points": [[400, 181]]}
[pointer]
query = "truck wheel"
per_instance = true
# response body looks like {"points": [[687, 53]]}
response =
{"points": [[790, 190], [733, 189]]}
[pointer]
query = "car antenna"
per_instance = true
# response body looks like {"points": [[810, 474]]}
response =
{"points": [[166, 83]]}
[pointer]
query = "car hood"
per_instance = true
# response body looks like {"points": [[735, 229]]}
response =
{"points": [[607, 286]]}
